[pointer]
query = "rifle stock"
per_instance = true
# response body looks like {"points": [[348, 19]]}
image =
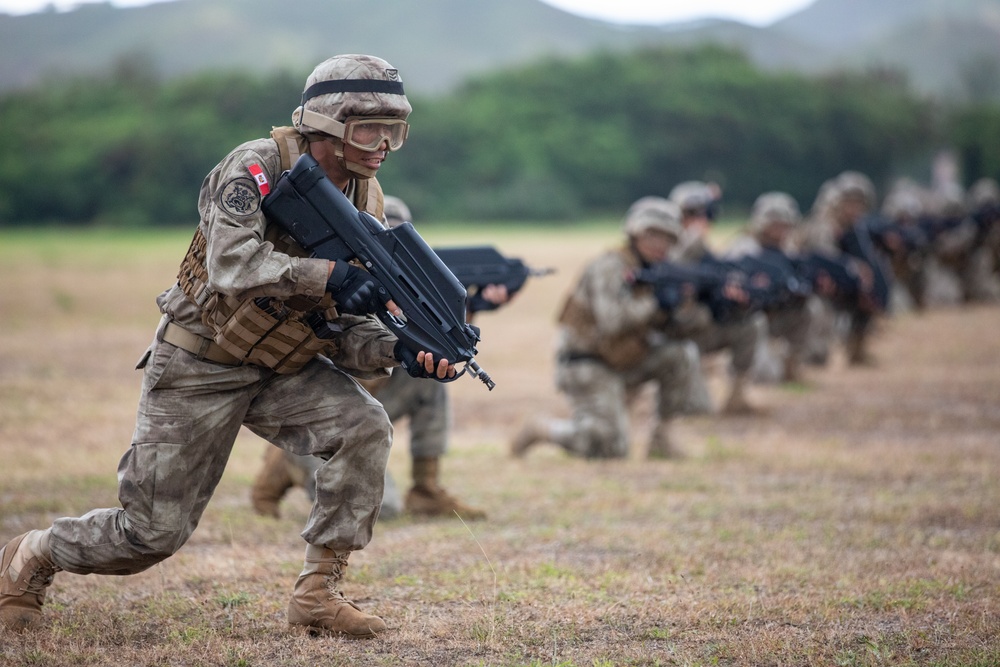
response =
{"points": [[324, 222]]}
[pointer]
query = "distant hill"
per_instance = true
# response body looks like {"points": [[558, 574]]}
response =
{"points": [[948, 48]]}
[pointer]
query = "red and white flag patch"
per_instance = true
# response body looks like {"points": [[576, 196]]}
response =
{"points": [[261, 178]]}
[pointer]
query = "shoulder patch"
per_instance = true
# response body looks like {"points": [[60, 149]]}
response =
{"points": [[240, 197]]}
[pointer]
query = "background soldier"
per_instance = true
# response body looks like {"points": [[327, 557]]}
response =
{"points": [[205, 376], [840, 206], [983, 203], [743, 332], [613, 342], [772, 218]]}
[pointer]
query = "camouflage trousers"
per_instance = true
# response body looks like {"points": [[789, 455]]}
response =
{"points": [[741, 337], [599, 395], [425, 403], [791, 322], [189, 415]]}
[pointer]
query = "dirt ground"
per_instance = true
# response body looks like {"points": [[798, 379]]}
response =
{"points": [[856, 521]]}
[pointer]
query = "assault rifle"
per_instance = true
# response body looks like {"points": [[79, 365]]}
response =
{"points": [[857, 242], [324, 222], [850, 292], [769, 279], [479, 266], [766, 284]]}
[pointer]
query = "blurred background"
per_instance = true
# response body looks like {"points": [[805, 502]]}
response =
{"points": [[112, 114]]}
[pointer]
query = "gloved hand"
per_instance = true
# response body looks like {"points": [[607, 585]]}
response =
{"points": [[354, 290]]}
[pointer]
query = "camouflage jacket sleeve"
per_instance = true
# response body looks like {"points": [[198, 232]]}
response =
{"points": [[743, 245], [363, 347], [240, 262], [616, 305]]}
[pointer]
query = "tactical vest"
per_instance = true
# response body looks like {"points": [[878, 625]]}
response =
{"points": [[621, 351], [283, 335]]}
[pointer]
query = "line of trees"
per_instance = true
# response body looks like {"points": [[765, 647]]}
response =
{"points": [[554, 140]]}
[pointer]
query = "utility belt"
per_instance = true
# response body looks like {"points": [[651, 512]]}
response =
{"points": [[199, 346]]}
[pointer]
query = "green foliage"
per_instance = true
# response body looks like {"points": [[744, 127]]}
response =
{"points": [[559, 139], [596, 133], [126, 149], [976, 136]]}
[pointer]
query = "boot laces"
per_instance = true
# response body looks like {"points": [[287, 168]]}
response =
{"points": [[332, 580], [40, 580]]}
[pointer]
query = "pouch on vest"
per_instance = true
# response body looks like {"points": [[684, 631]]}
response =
{"points": [[260, 331], [620, 352]]}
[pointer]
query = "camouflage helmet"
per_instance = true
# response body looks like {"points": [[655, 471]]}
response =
{"points": [[854, 184], [350, 85], [771, 208], [653, 213], [904, 202], [984, 193], [396, 211], [692, 195], [346, 88], [949, 201]]}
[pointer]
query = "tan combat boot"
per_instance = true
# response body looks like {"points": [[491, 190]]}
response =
{"points": [[737, 403], [661, 445], [857, 352], [429, 499], [531, 434], [26, 570], [317, 605], [272, 483], [793, 369]]}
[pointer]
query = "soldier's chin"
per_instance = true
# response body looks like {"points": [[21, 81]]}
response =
{"points": [[360, 170]]}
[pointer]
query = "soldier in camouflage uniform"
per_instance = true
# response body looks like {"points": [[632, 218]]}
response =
{"points": [[983, 204], [741, 335], [840, 205], [772, 218], [613, 342], [967, 248], [902, 210], [210, 370], [427, 407]]}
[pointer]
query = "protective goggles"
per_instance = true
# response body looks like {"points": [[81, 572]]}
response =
{"points": [[368, 134]]}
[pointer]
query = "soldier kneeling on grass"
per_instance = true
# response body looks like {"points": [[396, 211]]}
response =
{"points": [[613, 340]]}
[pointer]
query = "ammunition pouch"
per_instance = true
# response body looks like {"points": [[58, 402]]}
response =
{"points": [[264, 332], [619, 352]]}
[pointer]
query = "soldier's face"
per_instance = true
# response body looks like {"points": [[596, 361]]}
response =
{"points": [[370, 159], [324, 151], [653, 245], [775, 234], [850, 210]]}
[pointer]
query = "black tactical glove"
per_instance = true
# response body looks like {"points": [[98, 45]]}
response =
{"points": [[354, 290]]}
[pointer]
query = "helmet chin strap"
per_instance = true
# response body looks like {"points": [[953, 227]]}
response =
{"points": [[355, 169]]}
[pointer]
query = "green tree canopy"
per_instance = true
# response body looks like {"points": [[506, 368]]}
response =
{"points": [[553, 140]]}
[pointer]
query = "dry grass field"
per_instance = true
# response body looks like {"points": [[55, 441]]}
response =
{"points": [[857, 522]]}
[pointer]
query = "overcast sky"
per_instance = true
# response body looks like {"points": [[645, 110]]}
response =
{"points": [[756, 12]]}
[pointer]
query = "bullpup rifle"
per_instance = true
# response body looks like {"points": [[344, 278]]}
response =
{"points": [[323, 221], [479, 266]]}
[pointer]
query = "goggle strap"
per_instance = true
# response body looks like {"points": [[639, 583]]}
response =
{"points": [[353, 86], [318, 121]]}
